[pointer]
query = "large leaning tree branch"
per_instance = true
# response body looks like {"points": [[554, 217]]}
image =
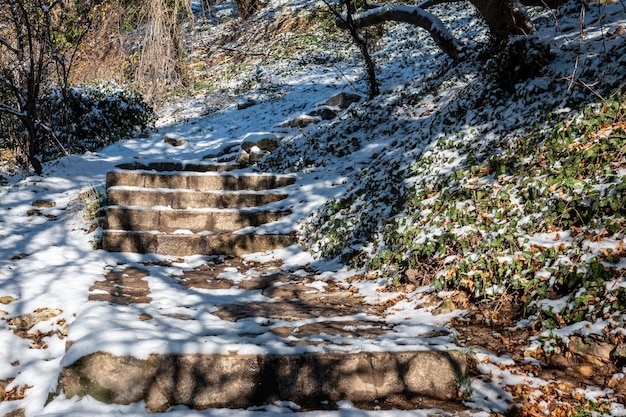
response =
{"points": [[503, 17], [408, 14]]}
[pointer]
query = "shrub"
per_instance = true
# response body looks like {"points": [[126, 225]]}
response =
{"points": [[88, 117]]}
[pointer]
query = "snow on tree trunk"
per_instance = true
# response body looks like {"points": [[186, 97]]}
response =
{"points": [[413, 15]]}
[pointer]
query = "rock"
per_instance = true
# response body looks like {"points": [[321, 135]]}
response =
{"points": [[619, 353], [326, 112], [598, 353], [446, 306], [583, 371], [243, 158], [246, 146], [16, 413], [258, 150], [268, 144], [301, 121], [44, 203], [342, 100], [173, 140], [7, 299], [242, 105], [257, 154], [27, 321]]}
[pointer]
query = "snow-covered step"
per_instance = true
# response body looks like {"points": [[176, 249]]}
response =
{"points": [[180, 166], [192, 244], [187, 220], [199, 181], [183, 198], [192, 208]]}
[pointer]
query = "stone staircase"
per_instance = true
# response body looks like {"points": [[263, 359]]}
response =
{"points": [[241, 333], [192, 209]]}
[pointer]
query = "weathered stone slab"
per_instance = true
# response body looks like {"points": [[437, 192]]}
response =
{"points": [[132, 196], [195, 221], [196, 181], [241, 381], [187, 245], [122, 287], [179, 166]]}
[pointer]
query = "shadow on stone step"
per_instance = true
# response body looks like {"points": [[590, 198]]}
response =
{"points": [[313, 380]]}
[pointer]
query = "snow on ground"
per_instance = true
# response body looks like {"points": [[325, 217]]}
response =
{"points": [[46, 258]]}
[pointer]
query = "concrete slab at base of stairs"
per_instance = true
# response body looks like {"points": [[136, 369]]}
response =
{"points": [[187, 245], [313, 380]]}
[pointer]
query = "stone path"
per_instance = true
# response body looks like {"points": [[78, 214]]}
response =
{"points": [[239, 332]]}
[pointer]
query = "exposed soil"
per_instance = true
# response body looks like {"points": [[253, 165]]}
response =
{"points": [[567, 373]]}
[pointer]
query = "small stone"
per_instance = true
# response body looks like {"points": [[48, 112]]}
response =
{"points": [[584, 371], [27, 321], [268, 144], [7, 299], [243, 158], [595, 352], [326, 112], [446, 306], [619, 353], [301, 121], [44, 203], [174, 140], [245, 104], [342, 100], [145, 317]]}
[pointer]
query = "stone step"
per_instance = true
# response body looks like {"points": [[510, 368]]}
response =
{"points": [[179, 166], [203, 181], [192, 220], [181, 199], [192, 244], [311, 380]]}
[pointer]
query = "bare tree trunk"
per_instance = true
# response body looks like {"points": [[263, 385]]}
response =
{"points": [[504, 17], [362, 44]]}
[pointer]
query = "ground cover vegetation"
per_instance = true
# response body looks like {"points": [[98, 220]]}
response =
{"points": [[501, 179], [537, 213]]}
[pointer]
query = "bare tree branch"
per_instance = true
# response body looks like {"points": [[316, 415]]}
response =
{"points": [[8, 46], [550, 4], [413, 15], [12, 111], [430, 3]]}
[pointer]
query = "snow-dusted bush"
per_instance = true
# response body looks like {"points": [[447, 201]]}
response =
{"points": [[88, 117]]}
